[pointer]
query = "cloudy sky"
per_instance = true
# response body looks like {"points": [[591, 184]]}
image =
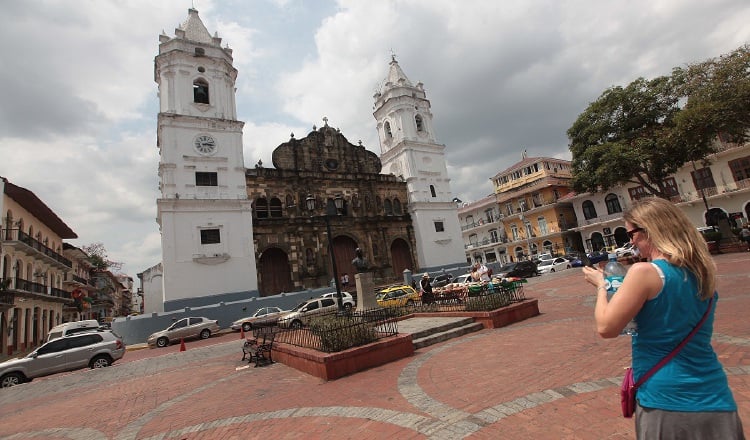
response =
{"points": [[79, 103]]}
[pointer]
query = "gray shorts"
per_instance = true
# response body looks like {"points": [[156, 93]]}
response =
{"points": [[675, 425]]}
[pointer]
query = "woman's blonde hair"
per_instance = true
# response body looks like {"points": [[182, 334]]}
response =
{"points": [[670, 231]]}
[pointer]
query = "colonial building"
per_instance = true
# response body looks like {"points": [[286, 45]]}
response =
{"points": [[32, 289], [292, 240], [530, 195], [409, 149], [713, 194], [482, 231]]}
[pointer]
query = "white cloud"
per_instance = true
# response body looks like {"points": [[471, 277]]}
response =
{"points": [[78, 116]]}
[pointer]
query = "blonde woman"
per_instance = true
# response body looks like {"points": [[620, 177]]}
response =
{"points": [[689, 397]]}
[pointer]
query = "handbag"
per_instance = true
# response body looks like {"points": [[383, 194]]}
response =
{"points": [[629, 386]]}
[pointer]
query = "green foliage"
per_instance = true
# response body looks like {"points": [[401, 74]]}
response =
{"points": [[644, 132], [338, 333], [712, 235]]}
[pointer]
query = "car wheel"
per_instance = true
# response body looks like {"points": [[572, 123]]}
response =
{"points": [[162, 342], [11, 379], [100, 362], [205, 333], [552, 270], [296, 324], [246, 327]]}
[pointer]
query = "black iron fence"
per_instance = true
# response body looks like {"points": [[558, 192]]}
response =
{"points": [[333, 332]]}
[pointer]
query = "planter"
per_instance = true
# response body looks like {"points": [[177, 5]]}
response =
{"points": [[497, 318], [330, 366]]}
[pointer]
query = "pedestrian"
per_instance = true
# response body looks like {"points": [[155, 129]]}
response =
{"points": [[345, 280], [689, 397], [424, 284], [745, 235]]}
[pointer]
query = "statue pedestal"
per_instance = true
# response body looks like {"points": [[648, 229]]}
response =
{"points": [[365, 291]]}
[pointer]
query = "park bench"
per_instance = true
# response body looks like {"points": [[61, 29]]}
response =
{"points": [[259, 348]]}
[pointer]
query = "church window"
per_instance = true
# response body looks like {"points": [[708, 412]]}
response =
{"points": [[418, 121], [388, 207], [439, 227], [388, 133], [261, 208], [397, 207], [200, 91], [210, 236], [289, 201], [275, 207], [432, 191], [206, 179], [378, 205]]}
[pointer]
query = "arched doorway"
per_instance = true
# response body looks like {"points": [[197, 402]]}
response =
{"points": [[275, 272], [597, 241], [621, 236], [401, 258], [344, 248]]}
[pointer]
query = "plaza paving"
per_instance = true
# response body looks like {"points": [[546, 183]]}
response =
{"points": [[549, 377]]}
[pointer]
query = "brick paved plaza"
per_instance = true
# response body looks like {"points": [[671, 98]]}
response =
{"points": [[549, 377]]}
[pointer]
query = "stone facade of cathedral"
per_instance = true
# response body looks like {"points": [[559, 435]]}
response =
{"points": [[291, 241]]}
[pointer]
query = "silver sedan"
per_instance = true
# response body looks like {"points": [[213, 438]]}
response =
{"points": [[192, 327]]}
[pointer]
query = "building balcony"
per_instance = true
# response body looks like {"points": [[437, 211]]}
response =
{"points": [[19, 287], [23, 242], [479, 223]]}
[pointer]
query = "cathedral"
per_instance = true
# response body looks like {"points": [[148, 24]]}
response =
{"points": [[230, 232]]}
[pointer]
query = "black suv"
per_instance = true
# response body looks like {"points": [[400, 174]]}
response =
{"points": [[520, 269]]}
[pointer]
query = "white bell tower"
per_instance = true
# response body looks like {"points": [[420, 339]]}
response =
{"points": [[409, 149], [204, 213]]}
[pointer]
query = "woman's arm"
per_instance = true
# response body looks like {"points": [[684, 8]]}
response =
{"points": [[640, 284]]}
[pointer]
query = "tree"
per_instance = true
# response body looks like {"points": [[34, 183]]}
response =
{"points": [[97, 256], [646, 131]]}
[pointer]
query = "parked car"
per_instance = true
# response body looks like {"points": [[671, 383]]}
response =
{"points": [[441, 280], [396, 296], [346, 298], [463, 279], [263, 317], [301, 314], [70, 328], [94, 349], [625, 250], [545, 256], [520, 269], [597, 256], [192, 327], [553, 265]]}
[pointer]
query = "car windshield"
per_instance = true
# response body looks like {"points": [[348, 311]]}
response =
{"points": [[546, 263], [299, 306], [507, 267]]}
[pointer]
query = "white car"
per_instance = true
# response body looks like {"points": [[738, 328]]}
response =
{"points": [[625, 250], [346, 298], [553, 265]]}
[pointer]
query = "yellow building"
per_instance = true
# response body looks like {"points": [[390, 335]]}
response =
{"points": [[531, 198]]}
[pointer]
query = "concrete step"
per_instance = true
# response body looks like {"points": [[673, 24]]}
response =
{"points": [[439, 334]]}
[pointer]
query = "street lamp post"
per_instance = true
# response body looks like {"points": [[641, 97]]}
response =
{"points": [[334, 210]]}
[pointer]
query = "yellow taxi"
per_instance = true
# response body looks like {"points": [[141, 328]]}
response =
{"points": [[396, 296]]}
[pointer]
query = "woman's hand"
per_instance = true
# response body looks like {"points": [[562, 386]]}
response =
{"points": [[593, 276]]}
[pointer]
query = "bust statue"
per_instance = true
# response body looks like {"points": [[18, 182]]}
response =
{"points": [[360, 263]]}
